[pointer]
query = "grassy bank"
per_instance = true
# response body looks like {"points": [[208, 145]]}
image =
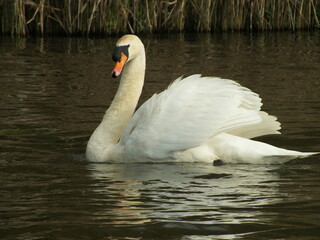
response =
{"points": [[84, 17]]}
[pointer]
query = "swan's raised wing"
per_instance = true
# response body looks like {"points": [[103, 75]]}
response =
{"points": [[188, 113]]}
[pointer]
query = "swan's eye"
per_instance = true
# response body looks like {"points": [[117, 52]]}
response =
{"points": [[116, 56]]}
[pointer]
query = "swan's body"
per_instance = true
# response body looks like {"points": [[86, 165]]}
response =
{"points": [[195, 119]]}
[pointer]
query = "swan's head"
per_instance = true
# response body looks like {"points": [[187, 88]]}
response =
{"points": [[127, 48]]}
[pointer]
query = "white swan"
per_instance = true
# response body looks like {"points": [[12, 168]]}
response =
{"points": [[195, 119]]}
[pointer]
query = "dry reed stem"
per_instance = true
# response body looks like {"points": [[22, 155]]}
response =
{"points": [[84, 17]]}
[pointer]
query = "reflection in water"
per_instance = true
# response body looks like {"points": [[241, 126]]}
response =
{"points": [[203, 200], [123, 204], [187, 193], [53, 94]]}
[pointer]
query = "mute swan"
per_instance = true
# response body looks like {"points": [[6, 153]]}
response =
{"points": [[196, 119]]}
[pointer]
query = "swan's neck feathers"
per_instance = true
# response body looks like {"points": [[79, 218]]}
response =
{"points": [[125, 101], [119, 113]]}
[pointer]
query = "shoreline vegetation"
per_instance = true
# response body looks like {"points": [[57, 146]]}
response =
{"points": [[107, 17]]}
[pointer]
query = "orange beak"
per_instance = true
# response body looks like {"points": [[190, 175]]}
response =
{"points": [[119, 66]]}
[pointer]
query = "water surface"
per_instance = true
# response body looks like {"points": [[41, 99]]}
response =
{"points": [[54, 93]]}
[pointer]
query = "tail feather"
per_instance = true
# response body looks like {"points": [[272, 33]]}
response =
{"points": [[288, 157], [234, 149]]}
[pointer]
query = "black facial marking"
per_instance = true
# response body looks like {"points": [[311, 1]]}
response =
{"points": [[217, 162], [116, 56]]}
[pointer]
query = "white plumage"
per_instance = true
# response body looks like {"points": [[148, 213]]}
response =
{"points": [[187, 114], [195, 119]]}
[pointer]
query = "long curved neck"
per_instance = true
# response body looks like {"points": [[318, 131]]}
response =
{"points": [[121, 109], [125, 100]]}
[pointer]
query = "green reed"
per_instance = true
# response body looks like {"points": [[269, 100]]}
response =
{"points": [[84, 17]]}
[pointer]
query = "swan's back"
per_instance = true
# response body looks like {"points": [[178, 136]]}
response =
{"points": [[190, 112]]}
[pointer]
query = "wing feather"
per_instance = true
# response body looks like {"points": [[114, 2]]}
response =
{"points": [[188, 113]]}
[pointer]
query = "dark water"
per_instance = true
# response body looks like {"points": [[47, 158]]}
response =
{"points": [[54, 93]]}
